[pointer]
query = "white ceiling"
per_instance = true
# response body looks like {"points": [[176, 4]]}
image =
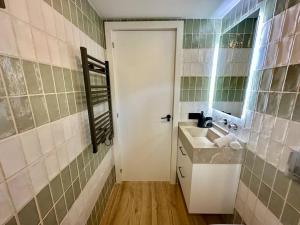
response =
{"points": [[163, 8]]}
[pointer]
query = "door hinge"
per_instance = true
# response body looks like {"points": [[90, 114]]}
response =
{"points": [[113, 44]]}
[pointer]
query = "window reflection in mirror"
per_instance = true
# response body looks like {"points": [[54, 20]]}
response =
{"points": [[234, 59]]}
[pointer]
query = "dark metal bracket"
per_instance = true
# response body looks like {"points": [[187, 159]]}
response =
{"points": [[101, 126], [2, 4]]}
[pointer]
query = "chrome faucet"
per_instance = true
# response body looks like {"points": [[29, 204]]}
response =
{"points": [[233, 126]]}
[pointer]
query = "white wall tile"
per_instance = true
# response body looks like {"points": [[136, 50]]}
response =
{"points": [[38, 175], [284, 159], [6, 210], [54, 50], [31, 146], [41, 46], [52, 165], [58, 132], [260, 211], [292, 139], [276, 27], [289, 25], [279, 130], [261, 148], [8, 44], [46, 138], [60, 26], [295, 58], [69, 32], [274, 152], [1, 175], [284, 51], [11, 156], [35, 14], [62, 155], [48, 18], [24, 40], [20, 188], [267, 125], [18, 8]]}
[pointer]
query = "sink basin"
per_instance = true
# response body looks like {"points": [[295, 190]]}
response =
{"points": [[201, 137]]}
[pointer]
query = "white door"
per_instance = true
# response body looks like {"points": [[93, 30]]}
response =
{"points": [[144, 65]]}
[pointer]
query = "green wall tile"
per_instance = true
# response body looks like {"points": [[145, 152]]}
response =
{"points": [[292, 82], [44, 201], [296, 113], [32, 77], [57, 6], [290, 216], [29, 214], [264, 194], [69, 197], [13, 76], [281, 184], [39, 109], [59, 79], [286, 106], [47, 78], [50, 219], [52, 105], [293, 196], [66, 178], [12, 221], [61, 209], [66, 9], [56, 188], [276, 204], [7, 126], [63, 105], [68, 80], [22, 113], [76, 188]]}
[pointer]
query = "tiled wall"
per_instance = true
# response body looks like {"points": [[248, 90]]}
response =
{"points": [[46, 164], [200, 37], [266, 195]]}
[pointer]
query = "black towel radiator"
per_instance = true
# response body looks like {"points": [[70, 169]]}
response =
{"points": [[101, 126]]}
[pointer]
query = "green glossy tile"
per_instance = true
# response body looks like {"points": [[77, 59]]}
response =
{"points": [[49, 2], [22, 113], [240, 82], [266, 80], [233, 83], [71, 103], [296, 113], [249, 159], [225, 94], [56, 188], [254, 184], [29, 214], [192, 83], [292, 82], [269, 174], [188, 26], [80, 20], [61, 209], [198, 95], [278, 78], [276, 204], [246, 176], [50, 219], [264, 194], [2, 89], [280, 6], [286, 106], [7, 126], [238, 97], [59, 79], [52, 105], [69, 197], [57, 5], [231, 95], [273, 104], [73, 13], [66, 9], [289, 216], [226, 83], [196, 26], [187, 41], [13, 76], [191, 95], [269, 9], [12, 221], [281, 184], [79, 101], [32, 77], [262, 102], [80, 162], [204, 95], [63, 105], [74, 170], [68, 80], [47, 78], [39, 108], [195, 40], [291, 3], [66, 178], [293, 196], [76, 188], [258, 167], [82, 179], [44, 201]]}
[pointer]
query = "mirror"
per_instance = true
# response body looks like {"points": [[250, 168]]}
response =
{"points": [[234, 59]]}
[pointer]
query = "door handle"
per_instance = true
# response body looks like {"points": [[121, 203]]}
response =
{"points": [[167, 117], [179, 168], [182, 153]]}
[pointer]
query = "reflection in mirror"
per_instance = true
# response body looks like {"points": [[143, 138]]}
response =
{"points": [[234, 59]]}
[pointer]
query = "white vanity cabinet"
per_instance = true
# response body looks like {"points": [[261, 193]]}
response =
{"points": [[207, 188]]}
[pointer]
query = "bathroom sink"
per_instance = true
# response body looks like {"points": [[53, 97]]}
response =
{"points": [[201, 137]]}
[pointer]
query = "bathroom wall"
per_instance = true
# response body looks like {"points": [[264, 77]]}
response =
{"points": [[200, 38], [266, 196], [48, 174]]}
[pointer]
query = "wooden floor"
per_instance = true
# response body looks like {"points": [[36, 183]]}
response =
{"points": [[151, 203]]}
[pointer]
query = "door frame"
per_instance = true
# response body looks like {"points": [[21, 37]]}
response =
{"points": [[176, 26]]}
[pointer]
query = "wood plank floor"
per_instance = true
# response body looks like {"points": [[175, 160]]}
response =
{"points": [[151, 203]]}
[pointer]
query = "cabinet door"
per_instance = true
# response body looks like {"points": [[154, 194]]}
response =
{"points": [[184, 171]]}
